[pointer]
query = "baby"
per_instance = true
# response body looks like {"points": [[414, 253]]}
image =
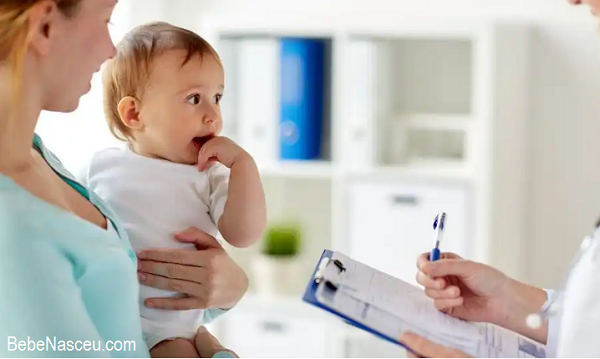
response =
{"points": [[162, 92]]}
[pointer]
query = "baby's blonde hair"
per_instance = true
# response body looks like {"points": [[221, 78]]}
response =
{"points": [[127, 74], [14, 36]]}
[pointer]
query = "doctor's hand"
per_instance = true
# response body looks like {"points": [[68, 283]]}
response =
{"points": [[462, 288], [476, 292], [428, 349], [206, 274]]}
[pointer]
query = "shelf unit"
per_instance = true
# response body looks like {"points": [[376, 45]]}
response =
{"points": [[423, 117]]}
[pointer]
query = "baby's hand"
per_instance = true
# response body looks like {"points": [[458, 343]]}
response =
{"points": [[207, 345], [220, 149]]}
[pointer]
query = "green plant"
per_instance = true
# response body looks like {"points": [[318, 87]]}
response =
{"points": [[282, 240]]}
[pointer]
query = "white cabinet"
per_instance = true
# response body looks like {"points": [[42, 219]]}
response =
{"points": [[358, 345], [391, 224], [275, 335]]}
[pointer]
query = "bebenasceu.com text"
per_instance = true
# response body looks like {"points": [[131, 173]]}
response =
{"points": [[53, 344]]}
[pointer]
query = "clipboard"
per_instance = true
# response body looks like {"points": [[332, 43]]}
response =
{"points": [[317, 279], [385, 306]]}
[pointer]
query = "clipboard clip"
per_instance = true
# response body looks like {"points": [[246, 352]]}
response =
{"points": [[320, 274]]}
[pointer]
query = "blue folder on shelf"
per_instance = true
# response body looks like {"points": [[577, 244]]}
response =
{"points": [[302, 86], [386, 307]]}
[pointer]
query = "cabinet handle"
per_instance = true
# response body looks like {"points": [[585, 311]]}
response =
{"points": [[269, 326], [404, 200]]}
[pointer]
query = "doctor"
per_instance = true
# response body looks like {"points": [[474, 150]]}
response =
{"points": [[568, 321]]}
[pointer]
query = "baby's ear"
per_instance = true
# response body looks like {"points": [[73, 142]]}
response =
{"points": [[129, 111]]}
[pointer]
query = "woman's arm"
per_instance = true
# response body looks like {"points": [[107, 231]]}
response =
{"points": [[521, 300], [40, 301]]}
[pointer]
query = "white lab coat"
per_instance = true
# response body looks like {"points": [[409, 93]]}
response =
{"points": [[553, 330], [575, 331]]}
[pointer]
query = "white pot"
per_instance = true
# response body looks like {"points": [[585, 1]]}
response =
{"points": [[274, 275]]}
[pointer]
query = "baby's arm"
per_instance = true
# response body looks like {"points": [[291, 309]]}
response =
{"points": [[209, 347], [244, 217]]}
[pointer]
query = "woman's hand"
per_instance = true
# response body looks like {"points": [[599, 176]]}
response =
{"points": [[476, 292], [209, 277], [424, 348]]}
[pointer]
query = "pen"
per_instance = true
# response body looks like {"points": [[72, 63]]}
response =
{"points": [[438, 226]]}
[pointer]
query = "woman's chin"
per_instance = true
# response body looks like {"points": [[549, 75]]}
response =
{"points": [[64, 107]]}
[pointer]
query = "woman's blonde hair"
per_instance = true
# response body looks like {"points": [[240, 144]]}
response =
{"points": [[14, 34]]}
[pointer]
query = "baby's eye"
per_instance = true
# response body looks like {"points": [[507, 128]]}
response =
{"points": [[218, 98], [194, 99]]}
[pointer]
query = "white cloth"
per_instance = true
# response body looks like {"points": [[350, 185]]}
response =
{"points": [[553, 328], [154, 199], [580, 310]]}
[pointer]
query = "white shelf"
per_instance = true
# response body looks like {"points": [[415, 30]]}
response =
{"points": [[441, 172], [435, 121], [419, 110], [299, 169]]}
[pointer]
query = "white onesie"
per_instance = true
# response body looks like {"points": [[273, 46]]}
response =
{"points": [[155, 199]]}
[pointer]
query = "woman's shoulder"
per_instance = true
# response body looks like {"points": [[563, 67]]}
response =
{"points": [[24, 214], [33, 228], [21, 213], [15, 202], [22, 223]]}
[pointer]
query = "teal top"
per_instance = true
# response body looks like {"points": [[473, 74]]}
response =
{"points": [[69, 287]]}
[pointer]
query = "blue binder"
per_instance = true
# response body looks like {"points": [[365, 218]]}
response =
{"points": [[326, 290], [302, 103]]}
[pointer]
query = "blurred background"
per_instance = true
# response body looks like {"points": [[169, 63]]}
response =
{"points": [[367, 118]]}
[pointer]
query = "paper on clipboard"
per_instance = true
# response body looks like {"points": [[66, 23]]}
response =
{"points": [[391, 306]]}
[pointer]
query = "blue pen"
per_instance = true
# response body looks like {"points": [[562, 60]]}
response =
{"points": [[438, 226]]}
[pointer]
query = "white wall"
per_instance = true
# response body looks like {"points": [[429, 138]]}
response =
{"points": [[564, 185]]}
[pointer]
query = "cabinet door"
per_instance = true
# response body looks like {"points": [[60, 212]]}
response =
{"points": [[271, 335], [390, 225]]}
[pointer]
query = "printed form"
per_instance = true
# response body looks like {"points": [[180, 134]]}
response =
{"points": [[392, 306]]}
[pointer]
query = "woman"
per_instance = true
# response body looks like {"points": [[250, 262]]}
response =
{"points": [[68, 275], [479, 293]]}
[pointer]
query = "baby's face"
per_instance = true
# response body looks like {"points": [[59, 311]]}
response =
{"points": [[180, 108]]}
